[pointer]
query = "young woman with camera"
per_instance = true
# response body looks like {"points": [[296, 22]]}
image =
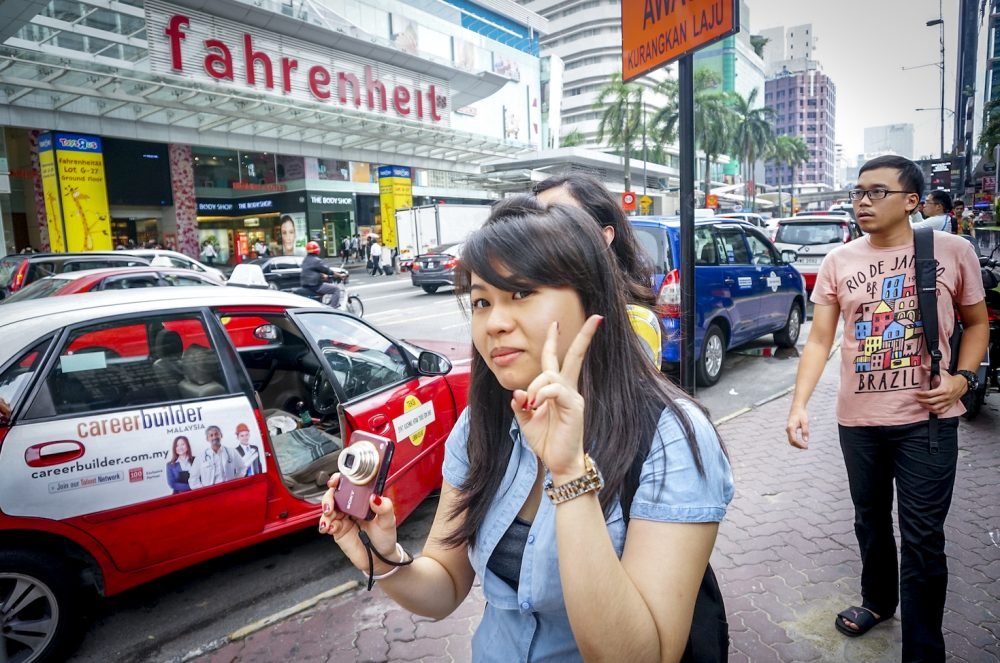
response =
{"points": [[568, 423]]}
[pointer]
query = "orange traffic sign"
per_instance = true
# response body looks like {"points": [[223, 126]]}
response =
{"points": [[655, 32], [712, 201], [628, 201]]}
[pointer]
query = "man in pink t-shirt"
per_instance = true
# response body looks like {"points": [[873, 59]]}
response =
{"points": [[886, 398]]}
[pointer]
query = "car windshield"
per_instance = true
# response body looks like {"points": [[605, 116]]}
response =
{"points": [[8, 267], [810, 234], [41, 288]]}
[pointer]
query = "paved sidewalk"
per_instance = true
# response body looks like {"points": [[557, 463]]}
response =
{"points": [[786, 559]]}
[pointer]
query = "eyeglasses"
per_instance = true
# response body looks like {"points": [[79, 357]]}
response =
{"points": [[873, 194]]}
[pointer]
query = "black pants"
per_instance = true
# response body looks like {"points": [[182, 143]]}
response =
{"points": [[875, 456]]}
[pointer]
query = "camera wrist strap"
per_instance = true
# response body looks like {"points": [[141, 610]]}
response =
{"points": [[405, 559]]}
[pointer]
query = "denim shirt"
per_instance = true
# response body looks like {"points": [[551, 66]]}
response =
{"points": [[531, 624]]}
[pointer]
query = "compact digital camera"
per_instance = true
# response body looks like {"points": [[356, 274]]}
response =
{"points": [[364, 466]]}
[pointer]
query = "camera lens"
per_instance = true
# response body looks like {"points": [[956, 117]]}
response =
{"points": [[359, 463]]}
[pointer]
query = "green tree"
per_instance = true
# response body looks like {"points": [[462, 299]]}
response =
{"points": [[752, 136], [572, 139], [757, 43], [788, 151], [621, 119], [714, 120], [990, 137]]}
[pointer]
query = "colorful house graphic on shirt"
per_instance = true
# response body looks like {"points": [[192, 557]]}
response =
{"points": [[888, 330]]}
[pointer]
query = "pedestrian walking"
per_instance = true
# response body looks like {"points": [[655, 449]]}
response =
{"points": [[580, 485], [937, 212], [209, 253], [376, 255], [886, 399]]}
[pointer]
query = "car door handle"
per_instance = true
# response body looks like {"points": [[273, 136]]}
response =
{"points": [[729, 280], [378, 423]]}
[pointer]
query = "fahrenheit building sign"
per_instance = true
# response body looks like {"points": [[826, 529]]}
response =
{"points": [[218, 51]]}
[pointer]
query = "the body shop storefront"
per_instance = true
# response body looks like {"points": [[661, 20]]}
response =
{"points": [[280, 223]]}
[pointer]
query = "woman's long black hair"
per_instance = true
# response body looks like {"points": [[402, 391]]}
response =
{"points": [[523, 246], [600, 204]]}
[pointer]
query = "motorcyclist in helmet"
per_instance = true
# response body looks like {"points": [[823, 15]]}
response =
{"points": [[317, 277]]}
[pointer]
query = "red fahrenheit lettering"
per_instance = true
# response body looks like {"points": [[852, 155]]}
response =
{"points": [[175, 34], [319, 76], [219, 65], [372, 84], [401, 100], [343, 78], [287, 66], [432, 98], [420, 103], [252, 58]]}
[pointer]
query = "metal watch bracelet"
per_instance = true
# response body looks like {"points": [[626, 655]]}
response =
{"points": [[590, 481]]}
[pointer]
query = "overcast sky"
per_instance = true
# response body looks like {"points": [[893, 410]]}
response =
{"points": [[862, 46]]}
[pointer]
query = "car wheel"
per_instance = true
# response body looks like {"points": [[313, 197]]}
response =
{"points": [[430, 289], [713, 356], [45, 609], [789, 336]]}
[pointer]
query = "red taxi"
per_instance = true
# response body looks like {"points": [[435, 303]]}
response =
{"points": [[127, 425], [119, 278]]}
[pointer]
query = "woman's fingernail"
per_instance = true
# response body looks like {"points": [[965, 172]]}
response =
{"points": [[600, 319], [557, 325], [377, 501], [322, 527], [326, 509]]}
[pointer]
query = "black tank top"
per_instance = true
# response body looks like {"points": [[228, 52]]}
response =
{"points": [[506, 558]]}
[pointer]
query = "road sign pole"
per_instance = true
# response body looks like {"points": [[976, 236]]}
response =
{"points": [[685, 74]]}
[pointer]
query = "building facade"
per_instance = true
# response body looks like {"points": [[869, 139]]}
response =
{"points": [[244, 121], [805, 105], [890, 139], [587, 36]]}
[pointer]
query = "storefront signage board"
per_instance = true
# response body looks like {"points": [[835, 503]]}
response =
{"points": [[221, 53]]}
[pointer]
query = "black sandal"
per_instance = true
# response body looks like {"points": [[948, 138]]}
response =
{"points": [[863, 618]]}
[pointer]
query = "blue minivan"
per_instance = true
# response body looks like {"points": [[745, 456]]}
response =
{"points": [[743, 288]]}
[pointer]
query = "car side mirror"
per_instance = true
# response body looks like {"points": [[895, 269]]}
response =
{"points": [[789, 256], [432, 363]]}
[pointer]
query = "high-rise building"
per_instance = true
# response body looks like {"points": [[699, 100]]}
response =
{"points": [[788, 48], [805, 105], [587, 36], [890, 139]]}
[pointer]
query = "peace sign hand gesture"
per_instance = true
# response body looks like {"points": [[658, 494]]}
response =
{"points": [[550, 412]]}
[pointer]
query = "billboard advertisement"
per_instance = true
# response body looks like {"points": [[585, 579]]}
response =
{"points": [[395, 188]]}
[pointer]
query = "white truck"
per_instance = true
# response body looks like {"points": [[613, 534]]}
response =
{"points": [[421, 228]]}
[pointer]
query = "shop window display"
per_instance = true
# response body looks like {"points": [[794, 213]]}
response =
{"points": [[257, 168], [215, 168]]}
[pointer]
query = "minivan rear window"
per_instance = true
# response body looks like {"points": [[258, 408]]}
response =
{"points": [[654, 243], [810, 234]]}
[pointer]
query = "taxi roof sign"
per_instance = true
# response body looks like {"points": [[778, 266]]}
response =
{"points": [[656, 32]]}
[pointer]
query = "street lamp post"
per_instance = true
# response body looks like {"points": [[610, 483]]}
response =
{"points": [[940, 23]]}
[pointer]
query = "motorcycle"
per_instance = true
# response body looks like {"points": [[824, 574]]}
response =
{"points": [[349, 302], [989, 369]]}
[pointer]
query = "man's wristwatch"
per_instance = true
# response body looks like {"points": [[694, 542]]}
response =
{"points": [[589, 482], [971, 378]]}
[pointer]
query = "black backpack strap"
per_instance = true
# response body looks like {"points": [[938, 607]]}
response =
{"points": [[708, 640], [925, 267]]}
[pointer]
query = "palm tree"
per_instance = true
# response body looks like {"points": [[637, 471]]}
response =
{"points": [[621, 104], [787, 151], [572, 139], [797, 155], [713, 119], [753, 132]]}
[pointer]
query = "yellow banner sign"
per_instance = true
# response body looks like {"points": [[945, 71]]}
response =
{"points": [[50, 191], [395, 188], [84, 192]]}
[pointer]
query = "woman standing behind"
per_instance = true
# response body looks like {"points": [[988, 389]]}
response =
{"points": [[179, 465], [568, 426], [588, 193]]}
